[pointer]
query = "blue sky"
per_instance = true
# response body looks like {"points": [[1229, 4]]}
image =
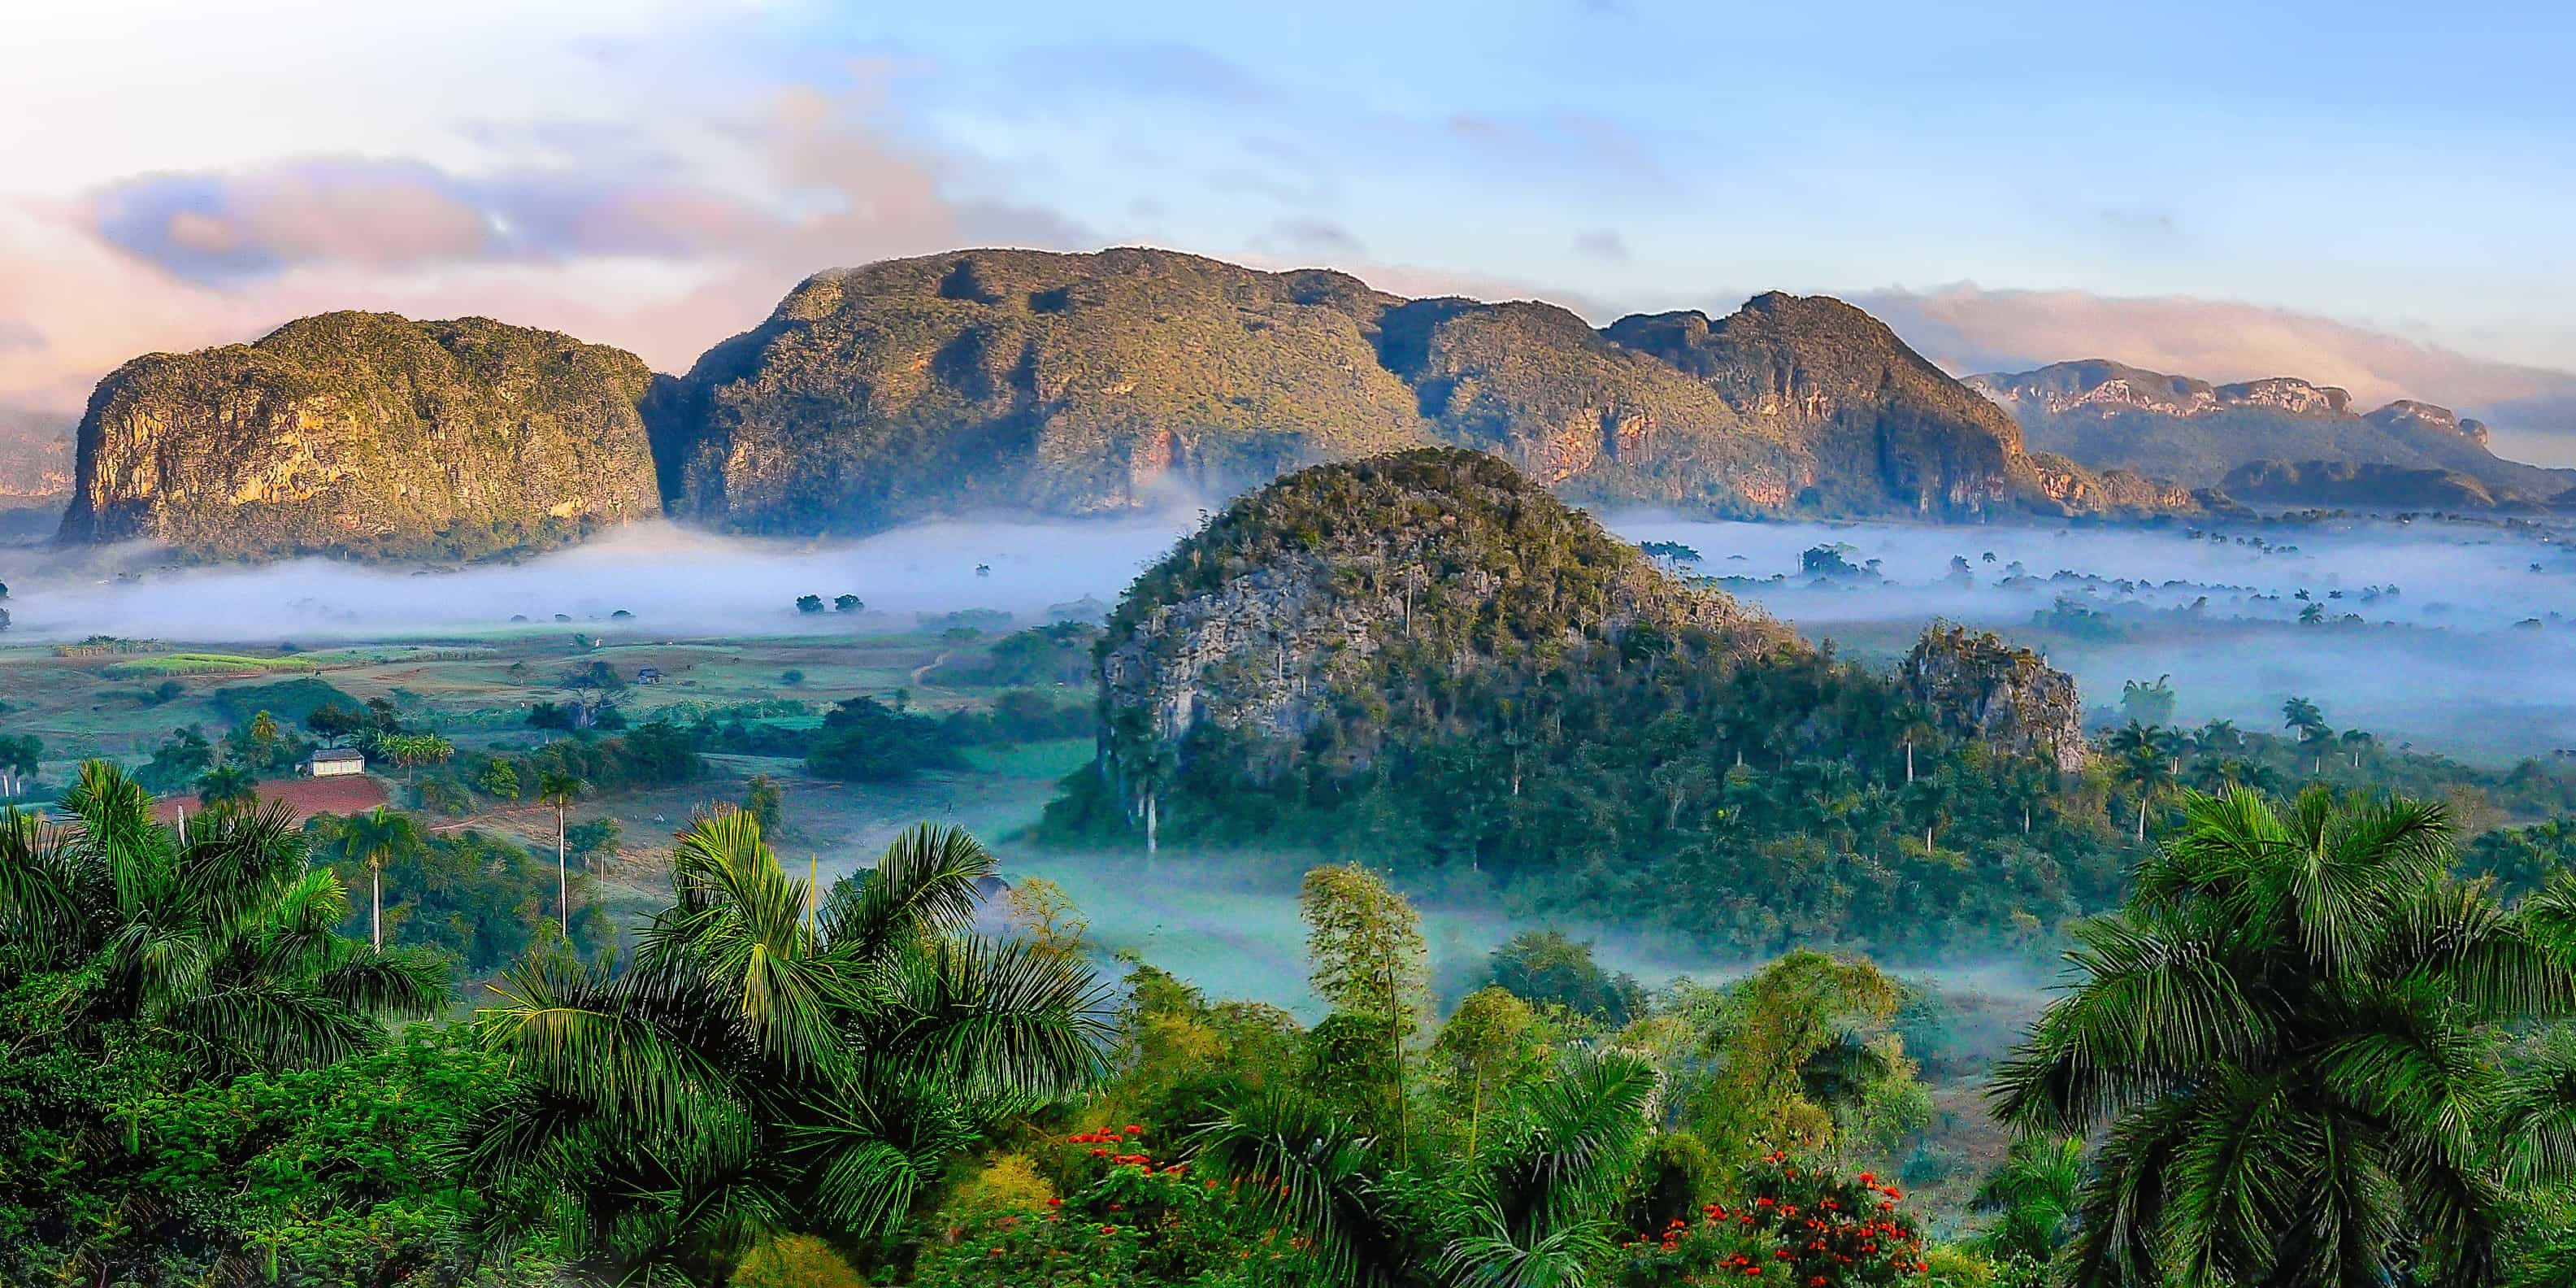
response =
{"points": [[2369, 194]]}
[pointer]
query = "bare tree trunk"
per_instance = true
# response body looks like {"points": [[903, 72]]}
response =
{"points": [[2142, 819], [376, 910], [1150, 827], [1909, 761], [563, 880]]}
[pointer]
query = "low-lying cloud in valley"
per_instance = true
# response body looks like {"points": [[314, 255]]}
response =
{"points": [[2466, 640]]}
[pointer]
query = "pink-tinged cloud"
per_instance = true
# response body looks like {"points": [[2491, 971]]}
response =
{"points": [[665, 268]]}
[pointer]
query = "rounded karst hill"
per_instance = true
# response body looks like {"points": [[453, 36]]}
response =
{"points": [[367, 434], [1426, 661], [1067, 384], [1356, 595]]}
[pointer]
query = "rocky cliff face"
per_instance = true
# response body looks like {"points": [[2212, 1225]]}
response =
{"points": [[367, 434], [1978, 686], [2107, 416], [1288, 603], [1075, 384], [1875, 421]]}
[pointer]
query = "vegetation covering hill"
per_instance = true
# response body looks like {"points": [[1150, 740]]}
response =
{"points": [[2371, 484], [1426, 660], [367, 434], [1084, 383], [2110, 415]]}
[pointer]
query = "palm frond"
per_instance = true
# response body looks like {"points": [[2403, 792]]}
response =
{"points": [[1490, 1256], [925, 885], [1313, 1171], [581, 1035], [2160, 1002], [1579, 1133], [409, 984], [1009, 1017], [2536, 1114]]}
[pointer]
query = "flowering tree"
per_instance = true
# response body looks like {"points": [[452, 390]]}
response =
{"points": [[1801, 1223]]}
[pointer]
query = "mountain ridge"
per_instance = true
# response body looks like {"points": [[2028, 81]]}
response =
{"points": [[1041, 383], [2107, 414], [1086, 383]]}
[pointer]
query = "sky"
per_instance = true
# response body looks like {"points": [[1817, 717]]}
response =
{"points": [[2364, 194]]}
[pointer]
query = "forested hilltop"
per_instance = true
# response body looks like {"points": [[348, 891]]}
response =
{"points": [[1425, 661]]}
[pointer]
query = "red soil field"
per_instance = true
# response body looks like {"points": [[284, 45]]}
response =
{"points": [[346, 794]]}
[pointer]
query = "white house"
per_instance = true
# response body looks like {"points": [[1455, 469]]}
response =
{"points": [[331, 762]]}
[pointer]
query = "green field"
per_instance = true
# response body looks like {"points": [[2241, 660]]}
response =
{"points": [[178, 664]]}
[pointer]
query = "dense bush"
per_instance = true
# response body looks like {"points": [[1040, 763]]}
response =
{"points": [[864, 740]]}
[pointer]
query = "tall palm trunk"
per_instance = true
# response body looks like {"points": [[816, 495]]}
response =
{"points": [[563, 880], [376, 902]]}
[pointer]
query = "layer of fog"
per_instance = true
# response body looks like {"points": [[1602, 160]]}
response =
{"points": [[2473, 654], [1230, 925], [675, 582]]}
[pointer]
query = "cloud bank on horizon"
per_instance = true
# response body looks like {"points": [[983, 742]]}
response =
{"points": [[2229, 214]]}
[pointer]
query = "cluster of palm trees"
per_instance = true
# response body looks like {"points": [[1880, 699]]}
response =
{"points": [[2308, 1048], [773, 1061], [216, 936], [1534, 1205], [2149, 760]]}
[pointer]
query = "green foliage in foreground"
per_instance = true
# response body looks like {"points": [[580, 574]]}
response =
{"points": [[2299, 1033], [2311, 1057], [764, 1068], [195, 1083]]}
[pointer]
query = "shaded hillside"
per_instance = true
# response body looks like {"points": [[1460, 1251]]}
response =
{"points": [[367, 434], [2106, 414], [2346, 485], [1075, 384], [1878, 421], [1427, 660]]}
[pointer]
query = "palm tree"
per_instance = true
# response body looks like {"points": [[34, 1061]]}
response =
{"points": [[1531, 1209], [372, 838], [229, 784], [559, 790], [2303, 718], [2292, 1030], [2034, 1190], [756, 1072], [2140, 753], [1914, 731], [218, 940]]}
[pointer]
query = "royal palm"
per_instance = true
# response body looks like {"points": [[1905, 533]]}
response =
{"points": [[2293, 1031]]}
